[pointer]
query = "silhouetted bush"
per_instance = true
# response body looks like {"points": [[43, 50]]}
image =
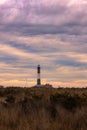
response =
{"points": [[10, 99], [58, 97], [67, 101], [1, 92], [1, 86], [37, 97], [71, 103]]}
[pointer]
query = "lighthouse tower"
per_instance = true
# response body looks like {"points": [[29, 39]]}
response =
{"points": [[38, 75]]}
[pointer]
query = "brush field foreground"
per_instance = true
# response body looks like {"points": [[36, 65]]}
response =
{"points": [[43, 109]]}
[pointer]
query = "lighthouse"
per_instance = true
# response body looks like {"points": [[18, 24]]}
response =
{"points": [[38, 75]]}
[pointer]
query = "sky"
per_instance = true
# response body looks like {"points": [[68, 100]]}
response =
{"points": [[52, 33]]}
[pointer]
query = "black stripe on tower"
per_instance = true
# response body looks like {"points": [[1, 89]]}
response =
{"points": [[38, 82], [38, 75], [38, 69]]}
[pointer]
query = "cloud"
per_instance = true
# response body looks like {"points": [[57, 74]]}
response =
{"points": [[50, 33]]}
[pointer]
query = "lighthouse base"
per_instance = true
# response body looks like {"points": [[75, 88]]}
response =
{"points": [[43, 86]]}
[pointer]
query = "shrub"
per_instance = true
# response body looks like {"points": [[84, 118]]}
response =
{"points": [[67, 101], [71, 103], [10, 99]]}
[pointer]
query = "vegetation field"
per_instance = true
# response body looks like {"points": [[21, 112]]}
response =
{"points": [[43, 108]]}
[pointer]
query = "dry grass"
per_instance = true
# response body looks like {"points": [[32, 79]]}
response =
{"points": [[43, 109]]}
